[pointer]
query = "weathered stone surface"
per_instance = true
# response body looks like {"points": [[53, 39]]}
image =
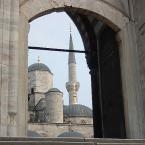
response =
{"points": [[23, 75], [68, 141], [133, 99], [114, 141], [121, 15], [55, 113], [111, 14], [121, 5], [43, 143], [43, 79], [139, 18], [41, 139], [53, 130]]}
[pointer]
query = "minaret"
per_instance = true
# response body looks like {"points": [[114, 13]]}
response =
{"points": [[72, 85], [38, 59]]}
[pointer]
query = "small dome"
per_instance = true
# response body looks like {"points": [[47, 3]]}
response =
{"points": [[77, 110], [54, 90], [31, 133], [39, 66], [71, 134]]}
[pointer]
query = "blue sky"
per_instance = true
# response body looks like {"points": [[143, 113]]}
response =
{"points": [[53, 31]]}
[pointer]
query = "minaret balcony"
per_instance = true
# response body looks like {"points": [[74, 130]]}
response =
{"points": [[72, 86]]}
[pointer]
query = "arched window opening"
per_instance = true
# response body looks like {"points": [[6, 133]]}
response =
{"points": [[61, 79], [103, 61]]}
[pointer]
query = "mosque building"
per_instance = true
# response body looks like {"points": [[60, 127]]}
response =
{"points": [[47, 115]]}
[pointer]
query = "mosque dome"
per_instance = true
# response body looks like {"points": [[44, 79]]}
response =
{"points": [[71, 134], [77, 110], [39, 67], [54, 90]]}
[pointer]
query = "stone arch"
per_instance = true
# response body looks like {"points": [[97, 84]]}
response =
{"points": [[119, 21], [110, 14]]}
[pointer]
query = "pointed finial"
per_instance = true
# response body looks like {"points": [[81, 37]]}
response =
{"points": [[38, 59]]}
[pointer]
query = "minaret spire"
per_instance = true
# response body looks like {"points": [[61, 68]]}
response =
{"points": [[38, 59], [71, 58], [72, 85]]}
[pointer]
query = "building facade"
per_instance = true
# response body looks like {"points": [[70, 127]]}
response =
{"points": [[48, 116], [122, 19]]}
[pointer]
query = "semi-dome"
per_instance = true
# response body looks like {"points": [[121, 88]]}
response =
{"points": [[39, 67], [31, 133], [54, 90], [77, 110], [71, 134]]}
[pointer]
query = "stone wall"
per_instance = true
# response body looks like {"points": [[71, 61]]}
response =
{"points": [[31, 81], [122, 5], [139, 18], [37, 97], [81, 120], [53, 130], [44, 81], [41, 81], [13, 34]]}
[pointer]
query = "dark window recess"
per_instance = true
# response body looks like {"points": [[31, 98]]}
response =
{"points": [[32, 90]]}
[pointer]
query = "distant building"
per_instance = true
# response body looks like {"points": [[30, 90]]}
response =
{"points": [[48, 116]]}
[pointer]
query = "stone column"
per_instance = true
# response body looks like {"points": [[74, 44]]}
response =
{"points": [[13, 69], [133, 99], [23, 76], [5, 7]]}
